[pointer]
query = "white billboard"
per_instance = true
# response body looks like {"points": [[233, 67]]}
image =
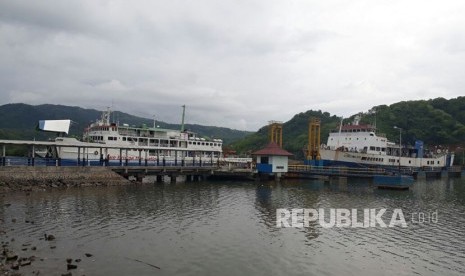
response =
{"points": [[55, 125]]}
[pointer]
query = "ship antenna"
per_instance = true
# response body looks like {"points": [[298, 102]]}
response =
{"points": [[340, 125], [374, 109], [340, 130], [183, 114]]}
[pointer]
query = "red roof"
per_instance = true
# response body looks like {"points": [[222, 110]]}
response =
{"points": [[272, 149]]}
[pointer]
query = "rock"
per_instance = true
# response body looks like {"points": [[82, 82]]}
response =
{"points": [[33, 248], [69, 260], [32, 258], [67, 274], [24, 249], [7, 204], [71, 266], [53, 247], [88, 255], [11, 256], [26, 221], [15, 266], [25, 262], [49, 237], [13, 220], [77, 260]]}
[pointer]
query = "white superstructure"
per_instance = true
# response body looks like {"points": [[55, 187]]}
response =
{"points": [[360, 144], [135, 143]]}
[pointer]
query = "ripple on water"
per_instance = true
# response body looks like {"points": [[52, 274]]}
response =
{"points": [[228, 228]]}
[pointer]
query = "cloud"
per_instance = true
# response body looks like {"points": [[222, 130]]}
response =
{"points": [[237, 64]]}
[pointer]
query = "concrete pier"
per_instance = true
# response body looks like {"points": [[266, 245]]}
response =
{"points": [[23, 177]]}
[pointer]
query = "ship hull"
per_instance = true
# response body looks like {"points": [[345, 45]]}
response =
{"points": [[357, 159]]}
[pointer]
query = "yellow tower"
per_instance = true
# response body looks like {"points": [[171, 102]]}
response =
{"points": [[276, 132], [313, 147]]}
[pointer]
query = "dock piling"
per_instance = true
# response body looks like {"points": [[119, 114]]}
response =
{"points": [[3, 155]]}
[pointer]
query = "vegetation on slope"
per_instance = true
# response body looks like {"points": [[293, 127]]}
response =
{"points": [[20, 120], [436, 122]]}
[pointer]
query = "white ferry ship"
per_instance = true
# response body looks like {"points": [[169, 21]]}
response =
{"points": [[105, 141], [359, 145]]}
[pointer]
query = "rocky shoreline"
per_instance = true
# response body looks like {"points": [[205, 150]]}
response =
{"points": [[41, 178], [13, 263]]}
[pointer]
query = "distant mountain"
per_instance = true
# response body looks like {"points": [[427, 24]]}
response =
{"points": [[436, 122], [18, 121]]}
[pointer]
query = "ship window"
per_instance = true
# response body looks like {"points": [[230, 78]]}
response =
{"points": [[124, 138], [372, 148], [410, 161], [438, 162], [378, 148], [383, 149]]}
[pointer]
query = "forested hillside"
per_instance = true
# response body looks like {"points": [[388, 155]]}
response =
{"points": [[436, 122], [18, 121]]}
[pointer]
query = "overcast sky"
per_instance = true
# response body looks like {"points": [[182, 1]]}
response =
{"points": [[235, 63]]}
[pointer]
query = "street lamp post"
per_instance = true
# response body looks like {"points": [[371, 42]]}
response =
{"points": [[400, 143]]}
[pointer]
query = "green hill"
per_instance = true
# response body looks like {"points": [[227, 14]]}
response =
{"points": [[436, 122], [18, 121]]}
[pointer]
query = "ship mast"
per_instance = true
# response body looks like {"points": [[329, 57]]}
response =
{"points": [[183, 114]]}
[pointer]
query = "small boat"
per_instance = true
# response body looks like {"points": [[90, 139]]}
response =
{"points": [[398, 181]]}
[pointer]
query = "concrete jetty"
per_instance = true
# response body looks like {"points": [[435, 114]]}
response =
{"points": [[30, 178]]}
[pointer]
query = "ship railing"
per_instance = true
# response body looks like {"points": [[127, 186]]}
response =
{"points": [[335, 170], [454, 169]]}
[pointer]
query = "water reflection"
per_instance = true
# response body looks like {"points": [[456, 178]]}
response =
{"points": [[229, 228]]}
